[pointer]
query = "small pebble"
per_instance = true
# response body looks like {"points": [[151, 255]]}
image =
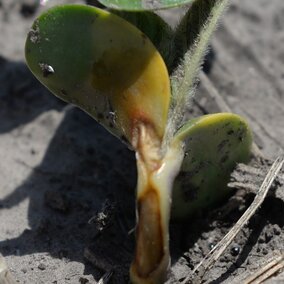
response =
{"points": [[41, 266], [276, 230], [235, 250], [265, 251], [268, 236], [211, 246], [63, 253], [83, 280], [29, 7], [261, 240]]}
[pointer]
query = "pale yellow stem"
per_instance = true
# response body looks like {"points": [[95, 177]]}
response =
{"points": [[156, 175]]}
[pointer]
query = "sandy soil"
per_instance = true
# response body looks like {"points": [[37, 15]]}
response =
{"points": [[59, 168]]}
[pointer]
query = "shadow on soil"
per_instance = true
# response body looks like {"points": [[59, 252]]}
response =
{"points": [[82, 168], [22, 97]]}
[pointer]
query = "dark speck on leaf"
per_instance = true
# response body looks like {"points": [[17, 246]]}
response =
{"points": [[123, 138], [224, 159], [182, 174], [144, 38], [222, 145], [241, 133], [34, 33], [94, 19], [216, 131], [241, 138], [63, 92], [46, 69], [230, 132], [189, 192]]}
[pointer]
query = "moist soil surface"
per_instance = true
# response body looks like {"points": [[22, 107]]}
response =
{"points": [[67, 190]]}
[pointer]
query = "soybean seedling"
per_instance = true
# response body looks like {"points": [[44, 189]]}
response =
{"points": [[119, 75]]}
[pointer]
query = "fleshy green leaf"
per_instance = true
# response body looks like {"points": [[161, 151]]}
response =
{"points": [[191, 39], [101, 63], [156, 29], [141, 5], [214, 144]]}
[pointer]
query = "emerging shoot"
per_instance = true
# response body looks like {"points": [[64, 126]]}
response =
{"points": [[109, 68]]}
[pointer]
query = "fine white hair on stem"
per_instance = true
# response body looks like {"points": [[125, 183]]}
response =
{"points": [[192, 38]]}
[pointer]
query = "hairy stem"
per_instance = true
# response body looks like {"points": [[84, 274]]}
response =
{"points": [[192, 38]]}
